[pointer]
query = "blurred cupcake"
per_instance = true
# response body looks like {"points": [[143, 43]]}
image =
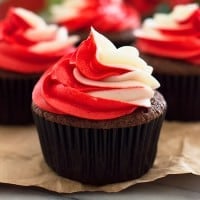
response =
{"points": [[147, 8], [97, 114], [171, 43], [114, 18], [36, 5], [28, 46]]}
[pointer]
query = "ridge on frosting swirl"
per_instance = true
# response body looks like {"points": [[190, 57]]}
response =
{"points": [[98, 81], [104, 15], [29, 45], [174, 35]]}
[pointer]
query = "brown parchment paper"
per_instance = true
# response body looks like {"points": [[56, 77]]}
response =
{"points": [[21, 160]]}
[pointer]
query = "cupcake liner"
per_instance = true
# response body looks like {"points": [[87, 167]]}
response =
{"points": [[99, 156], [15, 100], [182, 96]]}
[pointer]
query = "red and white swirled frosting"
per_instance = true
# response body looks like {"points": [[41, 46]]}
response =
{"points": [[103, 15], [29, 45], [97, 82], [174, 35]]}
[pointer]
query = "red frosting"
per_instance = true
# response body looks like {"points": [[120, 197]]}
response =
{"points": [[181, 42], [59, 92], [15, 54], [104, 16]]}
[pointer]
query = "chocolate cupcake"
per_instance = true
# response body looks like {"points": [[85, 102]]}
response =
{"points": [[28, 47], [170, 43], [115, 19], [97, 115]]}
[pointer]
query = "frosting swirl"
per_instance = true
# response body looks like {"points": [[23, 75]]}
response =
{"points": [[99, 14], [29, 45], [98, 81], [174, 35]]}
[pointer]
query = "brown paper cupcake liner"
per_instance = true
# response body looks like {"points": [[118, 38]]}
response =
{"points": [[99, 156], [15, 100], [182, 94]]}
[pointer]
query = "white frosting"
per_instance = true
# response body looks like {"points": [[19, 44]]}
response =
{"points": [[183, 12], [109, 55], [30, 17], [49, 38], [166, 21], [135, 87], [66, 10], [38, 33], [130, 95]]}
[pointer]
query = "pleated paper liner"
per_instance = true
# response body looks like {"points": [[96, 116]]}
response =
{"points": [[15, 99], [182, 94], [99, 156]]}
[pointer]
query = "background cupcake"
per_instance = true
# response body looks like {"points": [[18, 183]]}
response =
{"points": [[170, 43], [147, 8], [97, 115], [28, 46], [113, 18], [36, 5]]}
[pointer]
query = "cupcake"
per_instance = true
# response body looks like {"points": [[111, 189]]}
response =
{"points": [[170, 43], [28, 46], [113, 18], [97, 114]]}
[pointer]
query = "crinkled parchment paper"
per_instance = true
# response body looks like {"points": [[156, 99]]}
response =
{"points": [[21, 160]]}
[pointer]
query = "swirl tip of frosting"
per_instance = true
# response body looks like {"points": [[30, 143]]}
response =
{"points": [[126, 57], [101, 40]]}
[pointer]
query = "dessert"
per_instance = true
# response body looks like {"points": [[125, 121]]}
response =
{"points": [[115, 19], [28, 46], [170, 43], [97, 115]]}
